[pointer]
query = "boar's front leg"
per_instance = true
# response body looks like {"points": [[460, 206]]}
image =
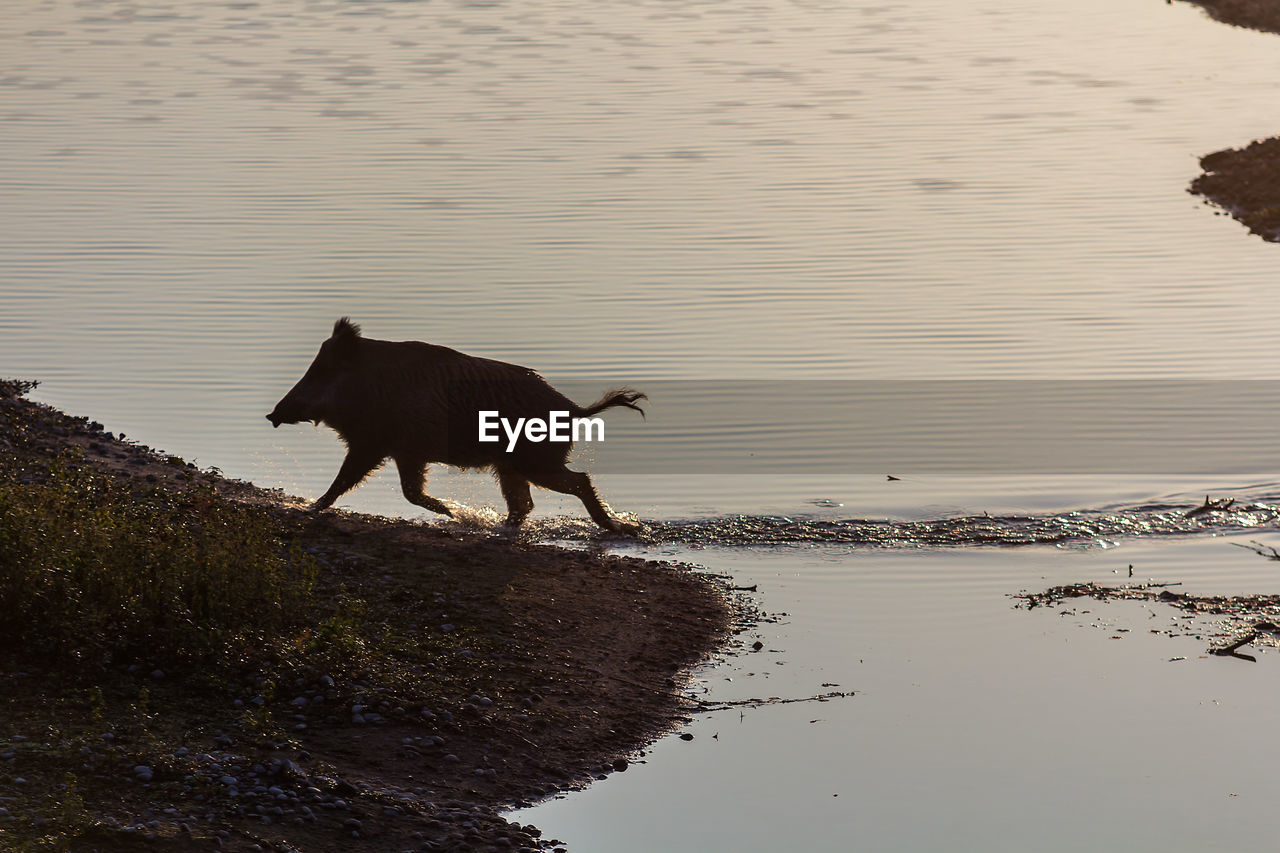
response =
{"points": [[413, 480], [358, 465], [515, 489]]}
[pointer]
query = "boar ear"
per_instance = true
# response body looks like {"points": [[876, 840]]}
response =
{"points": [[345, 336], [345, 328]]}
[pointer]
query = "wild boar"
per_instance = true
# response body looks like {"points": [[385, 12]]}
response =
{"points": [[419, 403]]}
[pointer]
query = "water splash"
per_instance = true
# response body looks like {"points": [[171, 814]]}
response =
{"points": [[476, 518], [1167, 517]]}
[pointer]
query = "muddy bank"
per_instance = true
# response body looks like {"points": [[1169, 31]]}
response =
{"points": [[432, 676], [1254, 14], [1245, 182]]}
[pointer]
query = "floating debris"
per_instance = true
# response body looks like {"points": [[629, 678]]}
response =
{"points": [[1247, 609], [1260, 549], [1220, 505]]}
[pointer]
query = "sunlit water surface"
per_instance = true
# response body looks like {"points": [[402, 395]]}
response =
{"points": [[645, 191]]}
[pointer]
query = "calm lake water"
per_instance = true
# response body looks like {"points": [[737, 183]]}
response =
{"points": [[727, 192]]}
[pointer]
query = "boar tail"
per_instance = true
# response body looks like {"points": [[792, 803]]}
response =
{"points": [[617, 397]]}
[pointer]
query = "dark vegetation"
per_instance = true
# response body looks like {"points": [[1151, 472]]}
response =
{"points": [[191, 662], [96, 570]]}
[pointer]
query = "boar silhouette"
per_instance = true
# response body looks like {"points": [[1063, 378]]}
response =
{"points": [[418, 403]]}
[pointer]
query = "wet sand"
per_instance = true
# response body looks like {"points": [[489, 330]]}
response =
{"points": [[579, 662]]}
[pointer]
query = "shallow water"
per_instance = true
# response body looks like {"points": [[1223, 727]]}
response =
{"points": [[974, 726], [655, 193]]}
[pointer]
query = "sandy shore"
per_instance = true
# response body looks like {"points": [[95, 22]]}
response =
{"points": [[573, 662], [1245, 182]]}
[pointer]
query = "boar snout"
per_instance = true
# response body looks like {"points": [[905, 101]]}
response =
{"points": [[285, 413]]}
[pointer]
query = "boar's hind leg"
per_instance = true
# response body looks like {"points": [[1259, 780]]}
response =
{"points": [[579, 484], [413, 479], [515, 488], [354, 468]]}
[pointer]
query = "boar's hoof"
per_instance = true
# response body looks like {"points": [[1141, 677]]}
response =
{"points": [[626, 528], [435, 505]]}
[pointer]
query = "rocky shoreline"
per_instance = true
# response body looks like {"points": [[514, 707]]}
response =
{"points": [[462, 673]]}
